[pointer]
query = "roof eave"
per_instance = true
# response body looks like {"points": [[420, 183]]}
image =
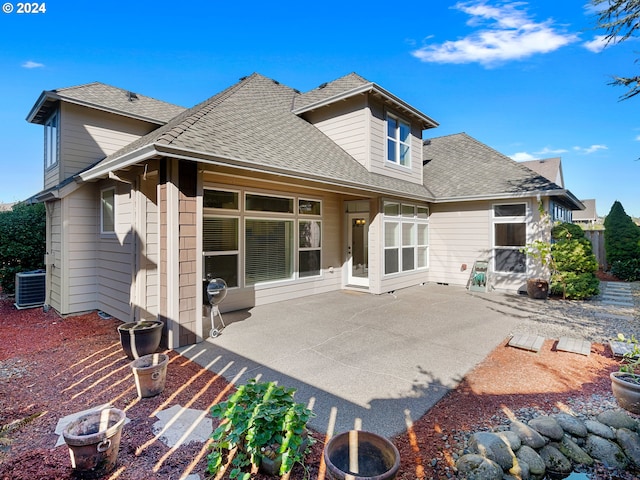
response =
{"points": [[514, 195], [427, 121]]}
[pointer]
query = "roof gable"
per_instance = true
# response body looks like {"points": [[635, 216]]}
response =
{"points": [[550, 168], [251, 125], [108, 98]]}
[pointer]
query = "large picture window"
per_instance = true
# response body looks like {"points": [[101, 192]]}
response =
{"points": [[509, 238], [398, 141], [271, 238], [406, 237]]}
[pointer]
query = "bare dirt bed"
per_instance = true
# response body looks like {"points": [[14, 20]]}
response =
{"points": [[54, 367]]}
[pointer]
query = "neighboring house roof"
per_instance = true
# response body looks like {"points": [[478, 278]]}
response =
{"points": [[5, 207], [250, 125], [107, 98], [589, 213], [550, 168], [350, 86], [459, 167]]}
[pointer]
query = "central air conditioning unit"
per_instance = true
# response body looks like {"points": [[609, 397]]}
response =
{"points": [[30, 289]]}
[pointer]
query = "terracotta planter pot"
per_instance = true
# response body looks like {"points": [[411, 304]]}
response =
{"points": [[537, 288], [357, 455], [140, 338], [627, 392], [150, 374], [94, 441]]}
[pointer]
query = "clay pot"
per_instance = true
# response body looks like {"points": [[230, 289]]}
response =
{"points": [[140, 338], [537, 288], [150, 374], [358, 455], [626, 392], [94, 440]]}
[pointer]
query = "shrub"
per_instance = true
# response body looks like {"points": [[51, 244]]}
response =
{"points": [[627, 270], [22, 242], [621, 236], [574, 263]]}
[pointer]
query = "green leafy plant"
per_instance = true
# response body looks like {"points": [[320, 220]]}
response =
{"points": [[259, 420], [631, 359], [22, 242], [627, 270]]}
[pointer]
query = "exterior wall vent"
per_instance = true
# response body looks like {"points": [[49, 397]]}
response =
{"points": [[30, 289]]}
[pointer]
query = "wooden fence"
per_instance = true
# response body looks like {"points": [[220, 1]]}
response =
{"points": [[596, 237]]}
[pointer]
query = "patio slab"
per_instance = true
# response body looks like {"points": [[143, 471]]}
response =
{"points": [[574, 345], [373, 362], [527, 341]]}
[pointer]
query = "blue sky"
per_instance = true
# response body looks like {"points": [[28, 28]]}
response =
{"points": [[528, 79]]}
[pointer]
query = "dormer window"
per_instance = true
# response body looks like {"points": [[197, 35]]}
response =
{"points": [[51, 141], [398, 141]]}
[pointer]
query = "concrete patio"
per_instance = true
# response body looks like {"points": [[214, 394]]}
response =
{"points": [[359, 360]]}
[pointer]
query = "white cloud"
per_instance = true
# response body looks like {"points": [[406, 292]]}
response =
{"points": [[638, 138], [32, 64], [523, 157], [551, 151], [509, 34], [591, 149], [597, 44]]}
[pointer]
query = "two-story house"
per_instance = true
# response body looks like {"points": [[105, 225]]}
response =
{"points": [[282, 194]]}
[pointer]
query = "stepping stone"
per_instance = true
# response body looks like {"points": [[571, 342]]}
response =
{"points": [[527, 341], [617, 303], [574, 345], [178, 425], [619, 348]]}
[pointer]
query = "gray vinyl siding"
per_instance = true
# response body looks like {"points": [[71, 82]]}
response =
{"points": [[347, 124], [81, 216], [90, 135], [149, 250], [114, 257], [54, 250], [458, 234]]}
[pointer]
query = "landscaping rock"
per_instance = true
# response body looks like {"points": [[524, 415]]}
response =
{"points": [[571, 425], [493, 447], [547, 426], [606, 452], [519, 471], [573, 452], [535, 463], [528, 435], [630, 443], [477, 467], [554, 460], [618, 419], [600, 429], [510, 438]]}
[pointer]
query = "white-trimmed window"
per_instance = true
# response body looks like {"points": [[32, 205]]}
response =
{"points": [[509, 237], [51, 141], [398, 141], [281, 237], [108, 210], [406, 237]]}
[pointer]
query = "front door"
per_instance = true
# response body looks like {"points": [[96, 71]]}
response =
{"points": [[358, 249]]}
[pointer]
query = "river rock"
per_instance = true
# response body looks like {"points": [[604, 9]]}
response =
{"points": [[572, 425], [630, 443], [606, 452], [476, 467], [535, 463], [510, 438], [617, 419], [493, 447], [547, 426], [519, 471], [528, 435], [573, 452], [600, 429], [554, 460]]}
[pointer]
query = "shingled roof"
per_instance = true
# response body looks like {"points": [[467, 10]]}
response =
{"points": [[251, 125], [459, 167], [108, 98]]}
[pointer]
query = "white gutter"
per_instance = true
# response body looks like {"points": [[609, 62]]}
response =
{"points": [[498, 196]]}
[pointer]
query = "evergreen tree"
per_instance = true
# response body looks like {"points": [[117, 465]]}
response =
{"points": [[621, 236]]}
